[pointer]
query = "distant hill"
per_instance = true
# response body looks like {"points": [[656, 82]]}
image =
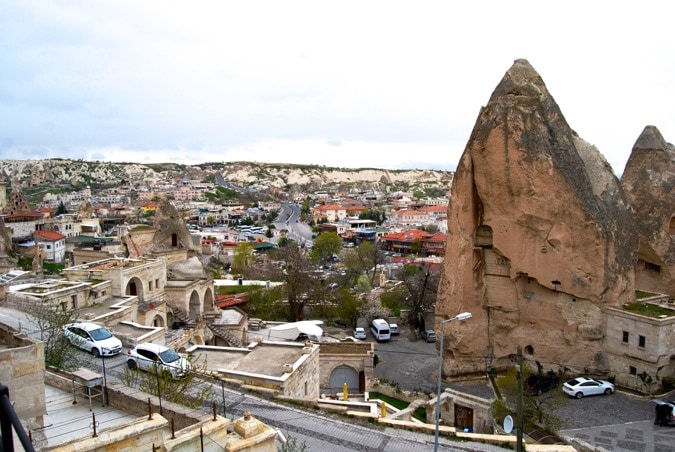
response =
{"points": [[98, 174]]}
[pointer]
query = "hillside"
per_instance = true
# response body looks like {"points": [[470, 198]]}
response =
{"points": [[98, 174]]}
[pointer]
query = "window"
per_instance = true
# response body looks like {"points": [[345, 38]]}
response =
{"points": [[653, 267], [641, 341], [625, 337], [150, 285], [632, 370]]}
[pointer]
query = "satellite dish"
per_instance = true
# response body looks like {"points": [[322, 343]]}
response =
{"points": [[508, 424]]}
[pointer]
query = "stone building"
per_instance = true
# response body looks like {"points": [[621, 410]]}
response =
{"points": [[347, 362], [22, 370], [541, 239]]}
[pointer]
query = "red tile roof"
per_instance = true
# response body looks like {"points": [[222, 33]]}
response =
{"points": [[49, 235]]}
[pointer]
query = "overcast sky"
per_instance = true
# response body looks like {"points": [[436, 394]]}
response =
{"points": [[387, 84]]}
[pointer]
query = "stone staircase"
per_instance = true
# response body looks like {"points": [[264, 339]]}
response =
{"points": [[183, 318], [221, 332]]}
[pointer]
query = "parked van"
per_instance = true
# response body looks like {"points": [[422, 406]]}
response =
{"points": [[380, 330]]}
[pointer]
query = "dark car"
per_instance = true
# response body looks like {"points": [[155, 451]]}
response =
{"points": [[665, 412], [538, 384], [429, 336]]}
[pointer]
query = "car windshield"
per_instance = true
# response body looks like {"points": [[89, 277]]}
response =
{"points": [[100, 334], [169, 356]]}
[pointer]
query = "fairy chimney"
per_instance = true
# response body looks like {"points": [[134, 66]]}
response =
{"points": [[540, 238], [649, 184]]}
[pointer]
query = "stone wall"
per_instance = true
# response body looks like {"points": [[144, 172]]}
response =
{"points": [[358, 356], [22, 364]]}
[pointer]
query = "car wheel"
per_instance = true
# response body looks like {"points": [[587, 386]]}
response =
{"points": [[608, 391], [95, 352], [131, 364], [579, 395]]}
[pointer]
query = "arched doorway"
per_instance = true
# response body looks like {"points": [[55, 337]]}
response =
{"points": [[195, 310], [134, 288], [344, 374], [484, 236], [158, 321], [208, 300]]}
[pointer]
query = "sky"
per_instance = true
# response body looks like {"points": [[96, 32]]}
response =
{"points": [[380, 84]]}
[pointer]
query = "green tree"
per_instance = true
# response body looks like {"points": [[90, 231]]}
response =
{"points": [[538, 410], [61, 209], [190, 390], [326, 245], [348, 307], [266, 303], [50, 320], [243, 258]]}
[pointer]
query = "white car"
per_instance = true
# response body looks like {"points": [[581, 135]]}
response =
{"points": [[96, 339], [149, 357], [360, 333], [581, 386], [393, 329]]}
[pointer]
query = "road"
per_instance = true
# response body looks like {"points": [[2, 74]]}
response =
{"points": [[319, 431]]}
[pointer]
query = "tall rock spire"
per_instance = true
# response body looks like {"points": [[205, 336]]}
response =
{"points": [[540, 236], [649, 184]]}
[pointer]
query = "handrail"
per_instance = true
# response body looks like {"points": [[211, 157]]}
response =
{"points": [[9, 419]]}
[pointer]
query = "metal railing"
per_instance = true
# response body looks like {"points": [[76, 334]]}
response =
{"points": [[9, 420]]}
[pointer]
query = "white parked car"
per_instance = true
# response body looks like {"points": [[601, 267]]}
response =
{"points": [[393, 329], [581, 387], [360, 333], [96, 339], [149, 357]]}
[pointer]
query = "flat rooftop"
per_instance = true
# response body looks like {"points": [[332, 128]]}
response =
{"points": [[266, 358], [66, 422]]}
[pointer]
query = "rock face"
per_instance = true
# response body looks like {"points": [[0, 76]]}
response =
{"points": [[540, 238], [649, 184], [171, 231]]}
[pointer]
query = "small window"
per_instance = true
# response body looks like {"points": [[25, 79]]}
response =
{"points": [[641, 341], [652, 267], [625, 337], [632, 370], [150, 285]]}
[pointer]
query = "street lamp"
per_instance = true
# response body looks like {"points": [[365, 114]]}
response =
{"points": [[462, 316]]}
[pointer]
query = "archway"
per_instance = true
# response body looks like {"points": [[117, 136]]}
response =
{"points": [[208, 300], [134, 288], [344, 374], [158, 321], [195, 310], [484, 236]]}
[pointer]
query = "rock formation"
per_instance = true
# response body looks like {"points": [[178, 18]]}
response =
{"points": [[540, 238], [171, 231], [649, 184]]}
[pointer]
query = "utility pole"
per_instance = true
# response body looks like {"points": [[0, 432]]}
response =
{"points": [[519, 373]]}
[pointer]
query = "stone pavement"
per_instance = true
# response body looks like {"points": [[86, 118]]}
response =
{"points": [[631, 436]]}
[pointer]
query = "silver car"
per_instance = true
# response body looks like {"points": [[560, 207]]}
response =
{"points": [[95, 339], [150, 357], [581, 387]]}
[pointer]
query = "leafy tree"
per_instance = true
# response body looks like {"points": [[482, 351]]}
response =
{"points": [[50, 320], [538, 410], [190, 390], [363, 259], [61, 209], [348, 307], [296, 273], [243, 258], [421, 284], [266, 303], [326, 245], [377, 215]]}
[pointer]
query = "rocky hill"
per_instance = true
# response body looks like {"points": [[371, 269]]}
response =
{"points": [[98, 174]]}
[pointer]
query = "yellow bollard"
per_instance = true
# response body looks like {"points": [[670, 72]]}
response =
{"points": [[345, 392], [383, 410]]}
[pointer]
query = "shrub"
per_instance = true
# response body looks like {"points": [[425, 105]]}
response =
{"points": [[668, 383]]}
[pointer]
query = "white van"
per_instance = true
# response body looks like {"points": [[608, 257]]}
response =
{"points": [[380, 330]]}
